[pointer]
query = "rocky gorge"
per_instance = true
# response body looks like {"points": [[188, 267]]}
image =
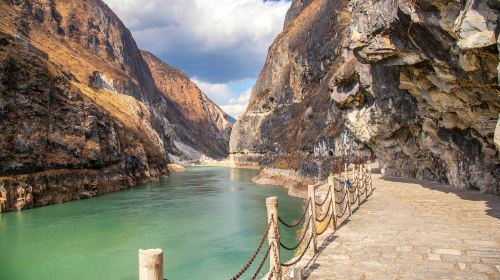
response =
{"points": [[84, 111], [412, 82]]}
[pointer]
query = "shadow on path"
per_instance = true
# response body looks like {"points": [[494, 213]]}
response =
{"points": [[492, 202]]}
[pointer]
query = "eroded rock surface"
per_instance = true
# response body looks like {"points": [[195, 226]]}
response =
{"points": [[95, 57], [58, 143], [198, 126], [415, 82]]}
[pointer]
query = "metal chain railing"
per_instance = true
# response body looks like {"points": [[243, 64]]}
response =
{"points": [[344, 210], [357, 182], [301, 255], [254, 255], [326, 198], [299, 221], [259, 268], [301, 239], [325, 228], [320, 220]]}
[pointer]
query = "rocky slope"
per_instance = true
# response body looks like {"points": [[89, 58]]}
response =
{"points": [[97, 121], [60, 141], [208, 129], [413, 81]]}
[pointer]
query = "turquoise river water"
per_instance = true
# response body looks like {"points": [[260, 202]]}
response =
{"points": [[207, 220]]}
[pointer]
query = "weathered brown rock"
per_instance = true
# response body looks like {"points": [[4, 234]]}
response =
{"points": [[413, 81], [196, 123], [78, 67], [59, 141]]}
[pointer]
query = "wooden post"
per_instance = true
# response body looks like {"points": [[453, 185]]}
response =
{"points": [[312, 215], [331, 183], [357, 181], [151, 264], [273, 238]]}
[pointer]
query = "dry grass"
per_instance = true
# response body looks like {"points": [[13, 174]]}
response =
{"points": [[281, 164], [130, 112], [344, 17]]}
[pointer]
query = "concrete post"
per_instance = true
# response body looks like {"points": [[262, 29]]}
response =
{"points": [[331, 183], [273, 238], [348, 198], [364, 181], [357, 181], [297, 273], [370, 173], [151, 264], [312, 215]]}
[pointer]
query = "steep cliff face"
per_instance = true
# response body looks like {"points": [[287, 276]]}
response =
{"points": [[199, 128], [88, 40], [414, 82], [61, 141], [114, 128]]}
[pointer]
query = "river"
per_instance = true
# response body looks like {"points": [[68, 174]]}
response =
{"points": [[207, 220]]}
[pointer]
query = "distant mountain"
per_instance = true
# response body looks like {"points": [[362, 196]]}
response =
{"points": [[200, 127], [83, 112]]}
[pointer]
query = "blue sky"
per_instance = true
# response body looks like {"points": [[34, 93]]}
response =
{"points": [[220, 44]]}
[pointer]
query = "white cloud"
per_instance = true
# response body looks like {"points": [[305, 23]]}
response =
{"points": [[221, 94], [218, 42], [217, 92], [237, 106], [231, 36], [211, 24]]}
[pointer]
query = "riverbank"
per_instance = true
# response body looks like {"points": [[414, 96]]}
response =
{"points": [[228, 163], [295, 182], [289, 179]]}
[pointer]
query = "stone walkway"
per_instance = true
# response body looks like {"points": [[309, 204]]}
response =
{"points": [[413, 230]]}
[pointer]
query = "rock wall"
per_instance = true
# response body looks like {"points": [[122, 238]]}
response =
{"points": [[195, 121], [122, 127], [58, 143], [413, 81], [88, 40]]}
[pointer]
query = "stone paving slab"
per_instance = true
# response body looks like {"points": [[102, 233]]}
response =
{"points": [[410, 229]]}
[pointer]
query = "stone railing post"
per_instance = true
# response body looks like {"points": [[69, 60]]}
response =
{"points": [[312, 215], [357, 181], [273, 238], [370, 174], [151, 264], [346, 176], [365, 173], [348, 198], [331, 184]]}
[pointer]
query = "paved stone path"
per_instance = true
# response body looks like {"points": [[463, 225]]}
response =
{"points": [[413, 230]]}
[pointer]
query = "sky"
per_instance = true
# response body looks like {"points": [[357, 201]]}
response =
{"points": [[220, 44]]}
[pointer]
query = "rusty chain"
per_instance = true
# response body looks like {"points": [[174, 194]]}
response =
{"points": [[259, 268], [326, 214], [300, 257], [301, 239], [254, 255], [299, 221], [326, 198]]}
